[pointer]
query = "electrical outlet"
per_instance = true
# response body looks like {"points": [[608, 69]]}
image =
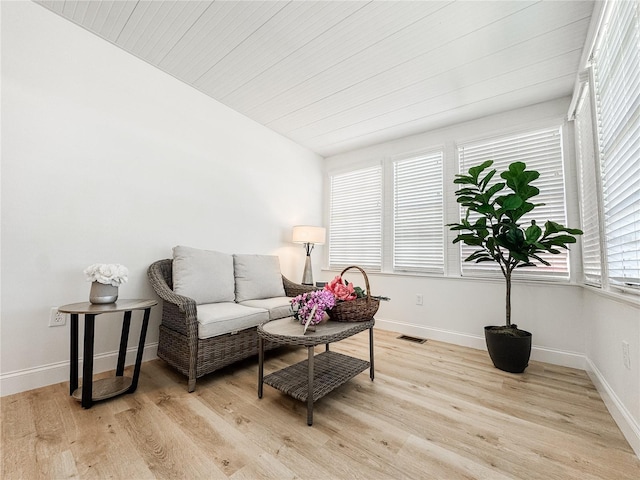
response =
{"points": [[626, 358], [419, 299], [56, 318]]}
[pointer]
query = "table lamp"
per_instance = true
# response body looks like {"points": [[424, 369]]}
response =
{"points": [[309, 236]]}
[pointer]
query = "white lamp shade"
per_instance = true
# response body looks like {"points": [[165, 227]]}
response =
{"points": [[309, 234]]}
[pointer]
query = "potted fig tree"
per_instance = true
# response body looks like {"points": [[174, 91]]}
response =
{"points": [[492, 223]]}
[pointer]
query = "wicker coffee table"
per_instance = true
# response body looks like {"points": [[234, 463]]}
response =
{"points": [[311, 379]]}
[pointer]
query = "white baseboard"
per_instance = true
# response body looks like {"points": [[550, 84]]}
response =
{"points": [[558, 357], [448, 336], [540, 354], [625, 421], [30, 378]]}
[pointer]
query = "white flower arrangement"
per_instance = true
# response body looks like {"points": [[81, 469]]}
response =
{"points": [[110, 274]]}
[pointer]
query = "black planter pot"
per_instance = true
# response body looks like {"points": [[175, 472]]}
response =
{"points": [[508, 352]]}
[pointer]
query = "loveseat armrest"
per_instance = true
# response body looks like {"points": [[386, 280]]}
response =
{"points": [[160, 274], [179, 313], [293, 289]]}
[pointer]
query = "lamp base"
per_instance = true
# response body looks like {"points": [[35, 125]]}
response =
{"points": [[307, 275]]}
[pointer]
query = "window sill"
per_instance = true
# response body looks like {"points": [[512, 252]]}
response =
{"points": [[617, 295], [539, 280]]}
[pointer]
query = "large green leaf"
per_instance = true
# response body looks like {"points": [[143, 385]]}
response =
{"points": [[493, 190], [463, 179], [527, 191], [467, 191], [519, 256], [475, 172], [518, 178], [466, 199], [533, 233], [479, 256], [456, 226], [564, 239], [486, 209], [511, 202], [471, 240], [485, 181], [515, 237]]}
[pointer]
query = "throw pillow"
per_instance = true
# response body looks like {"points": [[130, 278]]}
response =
{"points": [[257, 276], [204, 275]]}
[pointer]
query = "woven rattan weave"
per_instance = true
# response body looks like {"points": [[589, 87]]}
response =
{"points": [[331, 370], [178, 342]]}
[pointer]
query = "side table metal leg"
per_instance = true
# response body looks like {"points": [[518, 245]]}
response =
{"points": [[87, 361], [143, 336], [310, 392], [260, 365], [371, 369], [73, 368], [124, 339]]}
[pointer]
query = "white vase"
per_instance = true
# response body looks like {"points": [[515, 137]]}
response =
{"points": [[102, 293]]}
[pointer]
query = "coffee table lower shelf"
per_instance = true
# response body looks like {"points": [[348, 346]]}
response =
{"points": [[330, 370]]}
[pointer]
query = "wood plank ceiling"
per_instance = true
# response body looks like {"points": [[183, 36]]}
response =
{"points": [[339, 75]]}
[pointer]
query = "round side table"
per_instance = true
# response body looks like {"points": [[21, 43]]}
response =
{"points": [[108, 387]]}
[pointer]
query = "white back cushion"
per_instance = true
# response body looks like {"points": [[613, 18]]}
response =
{"points": [[204, 275], [257, 276]]}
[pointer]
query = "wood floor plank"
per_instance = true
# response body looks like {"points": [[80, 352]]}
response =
{"points": [[167, 450], [64, 466], [434, 411], [18, 437], [101, 448], [442, 462]]}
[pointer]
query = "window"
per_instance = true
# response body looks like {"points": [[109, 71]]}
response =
{"points": [[355, 219], [541, 151], [418, 223], [589, 181], [616, 67], [404, 235]]}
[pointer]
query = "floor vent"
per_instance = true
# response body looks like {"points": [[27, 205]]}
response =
{"points": [[412, 339]]}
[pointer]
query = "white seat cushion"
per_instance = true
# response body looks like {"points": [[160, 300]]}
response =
{"points": [[257, 277], [204, 275], [219, 318], [278, 307]]}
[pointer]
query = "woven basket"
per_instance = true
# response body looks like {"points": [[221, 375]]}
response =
{"points": [[358, 310]]}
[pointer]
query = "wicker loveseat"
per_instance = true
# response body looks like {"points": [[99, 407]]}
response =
{"points": [[196, 347]]}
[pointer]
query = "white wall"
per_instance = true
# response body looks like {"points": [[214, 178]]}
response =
{"points": [[609, 321], [106, 159], [571, 326]]}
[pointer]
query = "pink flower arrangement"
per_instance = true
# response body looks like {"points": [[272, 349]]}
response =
{"points": [[312, 304], [344, 291]]}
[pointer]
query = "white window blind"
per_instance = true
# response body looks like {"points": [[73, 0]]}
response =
{"points": [[541, 151], [355, 219], [616, 63], [589, 187], [418, 218]]}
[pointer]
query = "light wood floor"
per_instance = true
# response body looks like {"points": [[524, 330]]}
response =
{"points": [[434, 411]]}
